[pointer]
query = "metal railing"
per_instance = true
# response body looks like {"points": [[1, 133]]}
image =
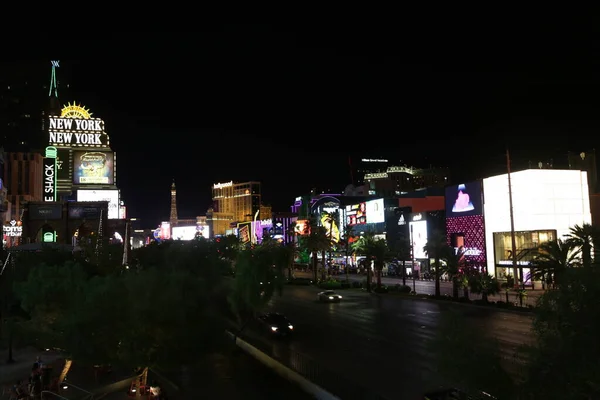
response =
{"points": [[334, 382]]}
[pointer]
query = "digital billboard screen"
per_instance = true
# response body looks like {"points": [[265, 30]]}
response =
{"points": [[93, 167], [356, 214], [418, 233], [464, 199], [374, 209], [184, 232], [112, 196]]}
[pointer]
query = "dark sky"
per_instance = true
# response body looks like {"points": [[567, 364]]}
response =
{"points": [[287, 105]]}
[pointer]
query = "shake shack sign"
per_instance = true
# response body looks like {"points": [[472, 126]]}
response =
{"points": [[77, 132], [49, 179]]}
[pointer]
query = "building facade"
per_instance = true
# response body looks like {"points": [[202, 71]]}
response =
{"points": [[233, 203], [546, 204], [23, 181]]}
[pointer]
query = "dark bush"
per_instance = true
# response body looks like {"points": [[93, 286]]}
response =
{"points": [[404, 289]]}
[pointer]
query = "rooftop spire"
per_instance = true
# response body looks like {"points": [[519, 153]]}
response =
{"points": [[53, 86]]}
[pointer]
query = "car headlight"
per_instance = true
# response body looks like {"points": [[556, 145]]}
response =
{"points": [[330, 297], [291, 326], [274, 328], [339, 297]]}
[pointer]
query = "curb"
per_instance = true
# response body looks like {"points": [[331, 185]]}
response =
{"points": [[526, 311]]}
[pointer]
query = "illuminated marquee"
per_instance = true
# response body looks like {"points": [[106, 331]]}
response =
{"points": [[76, 127]]}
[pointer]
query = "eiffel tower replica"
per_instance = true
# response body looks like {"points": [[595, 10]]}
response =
{"points": [[173, 217]]}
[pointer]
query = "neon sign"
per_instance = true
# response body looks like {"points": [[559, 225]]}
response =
{"points": [[13, 229], [222, 185]]}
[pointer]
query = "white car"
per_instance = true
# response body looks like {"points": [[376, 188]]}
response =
{"points": [[330, 296]]}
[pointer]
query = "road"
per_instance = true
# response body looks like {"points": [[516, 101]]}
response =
{"points": [[428, 287], [382, 340]]}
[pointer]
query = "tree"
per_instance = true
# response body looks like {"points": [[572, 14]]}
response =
{"points": [[228, 246], [434, 248], [455, 265], [375, 252], [153, 316], [401, 249], [564, 359], [317, 242], [258, 277], [582, 237], [553, 259], [484, 284], [346, 244]]}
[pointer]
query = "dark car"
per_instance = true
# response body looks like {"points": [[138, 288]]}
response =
{"points": [[276, 324]]}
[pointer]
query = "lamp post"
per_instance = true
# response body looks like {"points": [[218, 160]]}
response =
{"points": [[412, 257]]}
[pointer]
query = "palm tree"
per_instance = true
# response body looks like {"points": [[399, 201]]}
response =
{"points": [[291, 243], [484, 284], [375, 252], [554, 258], [401, 249], [455, 265], [346, 243], [582, 237], [436, 244], [317, 242]]}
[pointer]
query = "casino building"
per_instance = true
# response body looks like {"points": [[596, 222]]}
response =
{"points": [[80, 198]]}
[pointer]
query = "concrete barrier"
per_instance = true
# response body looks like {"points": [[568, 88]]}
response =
{"points": [[283, 371]]}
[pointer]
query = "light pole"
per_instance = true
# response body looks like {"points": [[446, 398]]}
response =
{"points": [[412, 257]]}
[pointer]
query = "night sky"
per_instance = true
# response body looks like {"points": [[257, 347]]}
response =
{"points": [[286, 106]]}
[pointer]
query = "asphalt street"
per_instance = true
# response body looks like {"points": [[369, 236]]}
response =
{"points": [[378, 342]]}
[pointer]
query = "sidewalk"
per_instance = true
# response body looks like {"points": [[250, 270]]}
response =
{"points": [[24, 359], [428, 287]]}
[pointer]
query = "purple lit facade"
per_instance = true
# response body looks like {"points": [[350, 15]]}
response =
{"points": [[468, 232], [465, 224]]}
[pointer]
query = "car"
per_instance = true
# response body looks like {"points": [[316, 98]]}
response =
{"points": [[276, 324], [329, 296]]}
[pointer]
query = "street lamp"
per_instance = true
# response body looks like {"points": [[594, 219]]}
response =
{"points": [[412, 257]]}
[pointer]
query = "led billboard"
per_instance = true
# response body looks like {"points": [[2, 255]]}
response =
{"points": [[183, 232], [245, 232], [356, 214], [374, 210], [93, 167], [165, 230], [302, 227], [418, 234], [112, 196], [464, 199], [331, 229], [203, 231]]}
